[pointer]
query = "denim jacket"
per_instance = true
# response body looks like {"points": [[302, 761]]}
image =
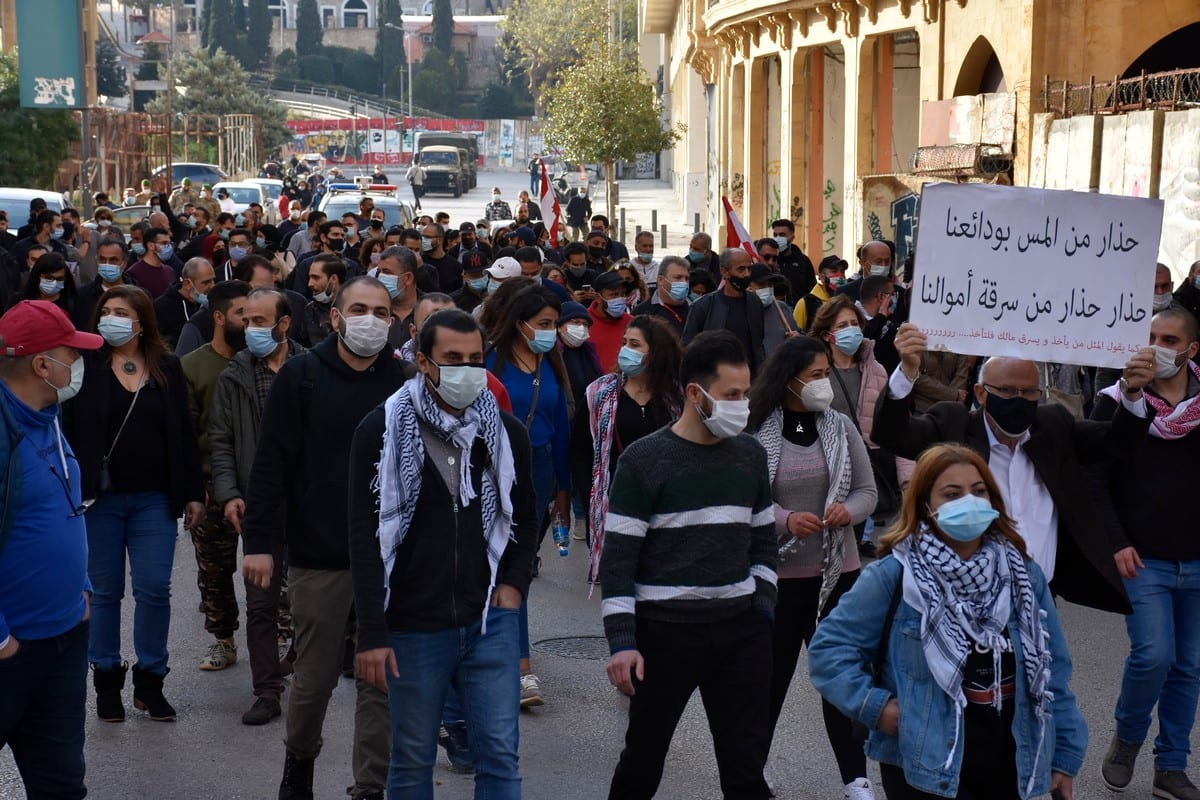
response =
{"points": [[846, 645]]}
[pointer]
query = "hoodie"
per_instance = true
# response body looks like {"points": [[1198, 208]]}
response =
{"points": [[303, 457], [606, 333]]}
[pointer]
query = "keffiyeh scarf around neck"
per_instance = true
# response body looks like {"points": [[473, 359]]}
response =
{"points": [[1168, 423], [966, 602], [402, 460], [832, 432]]}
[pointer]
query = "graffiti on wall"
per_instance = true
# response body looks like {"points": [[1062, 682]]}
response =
{"points": [[832, 221], [891, 205], [737, 189]]}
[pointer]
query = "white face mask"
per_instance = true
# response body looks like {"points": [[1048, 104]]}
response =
{"points": [[364, 335], [575, 335], [75, 383], [1165, 366], [728, 417], [817, 396], [1161, 301], [765, 296], [459, 384]]}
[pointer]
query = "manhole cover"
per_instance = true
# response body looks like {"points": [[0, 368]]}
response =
{"points": [[588, 648]]}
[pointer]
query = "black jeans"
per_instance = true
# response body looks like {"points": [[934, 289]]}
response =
{"points": [[43, 698], [795, 624], [988, 786], [730, 662]]}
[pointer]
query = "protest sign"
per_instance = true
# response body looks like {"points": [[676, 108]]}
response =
{"points": [[1045, 275]]}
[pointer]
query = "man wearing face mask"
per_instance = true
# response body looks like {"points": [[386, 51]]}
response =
{"points": [[530, 259], [578, 212], [179, 304], [397, 271], [670, 302], [433, 254], [874, 260], [497, 209], [1163, 284], [701, 256], [610, 317], [110, 272], [463, 544], [44, 588], [215, 541], [1143, 496], [46, 230], [316, 402], [325, 277], [732, 307], [793, 264], [777, 321], [233, 426], [292, 222], [690, 515], [331, 239], [831, 277], [475, 284], [1037, 453], [597, 251], [644, 261], [614, 250], [153, 271], [578, 276]]}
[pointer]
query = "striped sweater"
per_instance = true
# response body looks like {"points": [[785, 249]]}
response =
{"points": [[689, 536]]}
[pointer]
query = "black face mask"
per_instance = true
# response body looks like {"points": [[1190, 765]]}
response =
{"points": [[577, 269], [741, 284], [596, 252], [336, 245], [377, 224], [1014, 415], [468, 242]]}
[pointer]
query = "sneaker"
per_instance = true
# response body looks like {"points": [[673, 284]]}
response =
{"points": [[1173, 784], [263, 711], [531, 692], [866, 549], [453, 739], [221, 654], [579, 531], [859, 789], [1117, 768]]}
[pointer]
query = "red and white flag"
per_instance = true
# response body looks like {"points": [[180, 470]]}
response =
{"points": [[548, 203], [735, 232]]}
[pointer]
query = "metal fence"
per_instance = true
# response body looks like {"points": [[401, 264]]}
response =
{"points": [[1169, 91]]}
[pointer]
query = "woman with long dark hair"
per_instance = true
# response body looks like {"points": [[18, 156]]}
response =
{"points": [[524, 356], [822, 486], [50, 279], [950, 650], [140, 468], [637, 398]]}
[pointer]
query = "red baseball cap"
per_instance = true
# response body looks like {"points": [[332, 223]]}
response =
{"points": [[35, 326]]}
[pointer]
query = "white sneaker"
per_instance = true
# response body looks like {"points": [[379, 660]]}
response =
{"points": [[531, 692], [859, 789]]}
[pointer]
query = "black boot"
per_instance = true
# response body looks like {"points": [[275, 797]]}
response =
{"points": [[148, 696], [297, 778], [109, 683]]}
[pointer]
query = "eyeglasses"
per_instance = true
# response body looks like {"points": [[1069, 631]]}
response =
{"points": [[769, 258], [1009, 392]]}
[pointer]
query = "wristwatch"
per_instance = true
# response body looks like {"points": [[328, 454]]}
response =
{"points": [[1126, 389]]}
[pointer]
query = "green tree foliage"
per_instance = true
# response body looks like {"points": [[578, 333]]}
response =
{"points": [[152, 56], [545, 37], [353, 68], [33, 141], [309, 33], [239, 16], [604, 110], [258, 32], [433, 85], [443, 26], [502, 101], [111, 79], [285, 66], [315, 69], [215, 83], [389, 46]]}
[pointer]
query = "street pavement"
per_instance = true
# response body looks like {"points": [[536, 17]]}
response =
{"points": [[568, 747]]}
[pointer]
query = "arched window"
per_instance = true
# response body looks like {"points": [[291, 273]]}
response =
{"points": [[354, 14]]}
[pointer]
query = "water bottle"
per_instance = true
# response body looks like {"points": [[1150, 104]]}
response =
{"points": [[562, 533]]}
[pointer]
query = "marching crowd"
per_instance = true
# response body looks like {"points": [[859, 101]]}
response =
{"points": [[762, 456]]}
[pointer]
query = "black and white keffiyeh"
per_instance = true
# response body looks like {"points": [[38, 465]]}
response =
{"points": [[832, 431], [398, 478], [966, 602]]}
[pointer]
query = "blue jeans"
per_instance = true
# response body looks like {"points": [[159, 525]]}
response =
{"points": [[42, 705], [141, 524], [1163, 666], [482, 669]]}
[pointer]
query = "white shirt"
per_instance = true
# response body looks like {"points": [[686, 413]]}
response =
{"points": [[1025, 495], [649, 272]]}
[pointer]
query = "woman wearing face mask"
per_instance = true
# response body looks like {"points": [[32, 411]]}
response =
{"points": [[583, 366], [553, 273], [140, 464], [637, 398], [970, 695], [822, 486], [524, 356], [50, 280], [370, 251], [634, 285]]}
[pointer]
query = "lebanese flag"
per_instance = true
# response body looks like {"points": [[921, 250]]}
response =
{"points": [[735, 232], [548, 202]]}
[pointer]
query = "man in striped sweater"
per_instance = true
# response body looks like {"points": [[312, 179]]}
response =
{"points": [[688, 578]]}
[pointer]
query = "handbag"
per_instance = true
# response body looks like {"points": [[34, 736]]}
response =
{"points": [[105, 477]]}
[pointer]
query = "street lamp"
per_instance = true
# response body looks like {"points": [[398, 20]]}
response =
{"points": [[407, 67]]}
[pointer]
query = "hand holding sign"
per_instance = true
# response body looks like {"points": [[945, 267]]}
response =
{"points": [[911, 345], [1139, 370]]}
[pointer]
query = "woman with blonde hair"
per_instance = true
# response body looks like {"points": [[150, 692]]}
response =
{"points": [[950, 650]]}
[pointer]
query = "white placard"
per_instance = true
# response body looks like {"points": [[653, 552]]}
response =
{"points": [[1038, 274]]}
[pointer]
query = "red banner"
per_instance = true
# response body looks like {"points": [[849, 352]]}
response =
{"points": [[380, 123]]}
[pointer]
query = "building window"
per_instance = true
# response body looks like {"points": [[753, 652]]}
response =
{"points": [[354, 14]]}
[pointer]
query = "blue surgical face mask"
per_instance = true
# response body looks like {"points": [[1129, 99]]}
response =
{"points": [[115, 330], [630, 361], [260, 242], [192, 222], [166, 252], [782, 242], [693, 297], [239, 220], [679, 291], [109, 273], [848, 340], [50, 288], [224, 234], [543, 341], [695, 256], [261, 341], [201, 299], [965, 519], [392, 282], [237, 253], [616, 307], [478, 284], [57, 233], [138, 249], [645, 258]]}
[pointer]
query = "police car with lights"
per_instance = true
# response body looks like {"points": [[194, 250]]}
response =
{"points": [[344, 198]]}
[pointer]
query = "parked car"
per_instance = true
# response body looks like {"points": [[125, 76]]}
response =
{"points": [[199, 173], [127, 216], [344, 198], [274, 188], [16, 203], [444, 170], [243, 193]]}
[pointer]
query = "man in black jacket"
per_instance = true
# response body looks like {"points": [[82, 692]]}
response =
{"points": [[731, 308], [180, 303], [1036, 453], [793, 264], [315, 403], [446, 604]]}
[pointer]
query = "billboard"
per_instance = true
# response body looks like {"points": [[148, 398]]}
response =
{"points": [[50, 60]]}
